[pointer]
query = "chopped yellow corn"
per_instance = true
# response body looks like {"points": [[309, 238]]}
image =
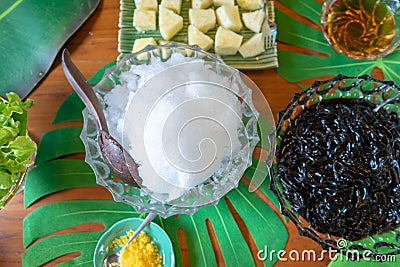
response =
{"points": [[141, 252]]}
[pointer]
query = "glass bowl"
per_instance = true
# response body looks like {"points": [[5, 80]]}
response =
{"points": [[383, 93], [155, 232], [174, 77]]}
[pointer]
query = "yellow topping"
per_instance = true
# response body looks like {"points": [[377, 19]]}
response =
{"points": [[141, 252]]}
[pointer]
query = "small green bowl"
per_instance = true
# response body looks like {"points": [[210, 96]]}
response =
{"points": [[155, 232]]}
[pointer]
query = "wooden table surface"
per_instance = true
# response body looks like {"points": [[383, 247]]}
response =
{"points": [[92, 46]]}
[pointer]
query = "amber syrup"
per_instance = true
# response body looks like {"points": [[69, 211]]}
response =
{"points": [[359, 28]]}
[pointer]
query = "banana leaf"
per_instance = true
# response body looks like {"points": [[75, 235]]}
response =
{"points": [[322, 59], [32, 33]]}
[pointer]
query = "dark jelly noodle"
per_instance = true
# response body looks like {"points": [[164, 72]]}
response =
{"points": [[338, 164]]}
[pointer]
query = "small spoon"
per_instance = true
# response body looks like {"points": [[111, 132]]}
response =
{"points": [[119, 160], [113, 259]]}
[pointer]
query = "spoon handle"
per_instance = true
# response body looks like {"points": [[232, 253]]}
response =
{"points": [[150, 217], [378, 107], [84, 90]]}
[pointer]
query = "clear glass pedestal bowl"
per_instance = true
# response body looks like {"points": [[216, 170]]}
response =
{"points": [[384, 93], [213, 188]]}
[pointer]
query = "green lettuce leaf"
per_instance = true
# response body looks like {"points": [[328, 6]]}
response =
{"points": [[22, 147], [16, 148]]}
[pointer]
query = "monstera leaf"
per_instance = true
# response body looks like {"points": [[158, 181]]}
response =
{"points": [[321, 59], [63, 215], [53, 174], [32, 32]]}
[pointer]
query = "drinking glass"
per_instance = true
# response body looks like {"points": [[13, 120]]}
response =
{"points": [[362, 29]]}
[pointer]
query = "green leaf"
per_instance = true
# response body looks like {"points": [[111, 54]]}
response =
{"points": [[70, 110], [295, 66], [307, 8], [32, 34], [259, 172], [53, 176], [200, 249], [5, 180], [264, 225], [22, 119], [39, 253], [64, 215], [264, 130], [58, 143], [22, 147], [95, 79]]}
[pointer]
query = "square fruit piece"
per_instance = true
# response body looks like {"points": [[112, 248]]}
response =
{"points": [[144, 20], [196, 37], [253, 47], [254, 20], [202, 19], [169, 22], [227, 42], [229, 18]]}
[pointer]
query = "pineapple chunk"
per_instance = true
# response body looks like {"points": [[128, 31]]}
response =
{"points": [[227, 42], [146, 4], [202, 19], [218, 3], [253, 47], [196, 37], [229, 18], [144, 20], [250, 4], [254, 20], [174, 5], [142, 43], [169, 23], [201, 3]]}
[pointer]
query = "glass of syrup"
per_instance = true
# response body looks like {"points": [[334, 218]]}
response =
{"points": [[362, 29]]}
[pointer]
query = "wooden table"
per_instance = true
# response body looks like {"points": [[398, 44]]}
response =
{"points": [[92, 46]]}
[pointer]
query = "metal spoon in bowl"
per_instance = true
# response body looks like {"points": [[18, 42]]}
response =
{"points": [[119, 160]]}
